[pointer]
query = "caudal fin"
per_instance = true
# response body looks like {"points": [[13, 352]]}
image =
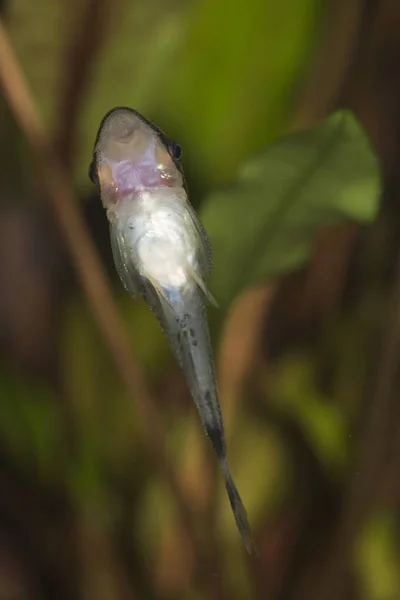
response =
{"points": [[238, 510]]}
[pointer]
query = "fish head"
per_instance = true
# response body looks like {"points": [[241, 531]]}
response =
{"points": [[131, 155]]}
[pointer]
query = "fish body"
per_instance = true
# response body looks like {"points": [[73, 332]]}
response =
{"points": [[161, 251]]}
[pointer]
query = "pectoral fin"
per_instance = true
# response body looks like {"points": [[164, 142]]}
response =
{"points": [[124, 268], [201, 284]]}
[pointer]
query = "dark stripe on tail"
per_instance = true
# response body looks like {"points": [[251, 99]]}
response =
{"points": [[239, 512], [215, 430], [218, 441]]}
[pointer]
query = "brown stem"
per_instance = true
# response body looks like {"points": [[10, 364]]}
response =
{"points": [[376, 435], [372, 448], [87, 39], [61, 195], [333, 58], [103, 576]]}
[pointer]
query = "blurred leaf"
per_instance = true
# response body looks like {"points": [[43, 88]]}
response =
{"points": [[349, 342], [89, 376], [143, 36], [151, 346], [377, 559], [145, 45], [87, 471], [156, 512], [43, 32], [31, 426], [228, 90], [107, 425], [294, 388], [39, 33], [265, 222], [85, 366], [258, 465], [196, 66]]}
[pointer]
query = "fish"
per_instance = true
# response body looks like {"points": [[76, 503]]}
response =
{"points": [[162, 252]]}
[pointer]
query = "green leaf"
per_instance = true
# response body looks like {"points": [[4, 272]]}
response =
{"points": [[230, 60], [377, 558], [264, 224]]}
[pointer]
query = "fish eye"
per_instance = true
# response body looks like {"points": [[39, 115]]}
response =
{"points": [[93, 176], [175, 150]]}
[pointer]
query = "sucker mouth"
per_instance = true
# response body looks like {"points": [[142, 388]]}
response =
{"points": [[122, 178]]}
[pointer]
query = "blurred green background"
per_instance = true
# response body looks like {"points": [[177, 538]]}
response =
{"points": [[288, 115]]}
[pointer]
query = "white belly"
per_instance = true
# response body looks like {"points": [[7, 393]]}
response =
{"points": [[164, 246]]}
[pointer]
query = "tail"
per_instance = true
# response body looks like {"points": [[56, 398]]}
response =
{"points": [[182, 316], [217, 438], [238, 509]]}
